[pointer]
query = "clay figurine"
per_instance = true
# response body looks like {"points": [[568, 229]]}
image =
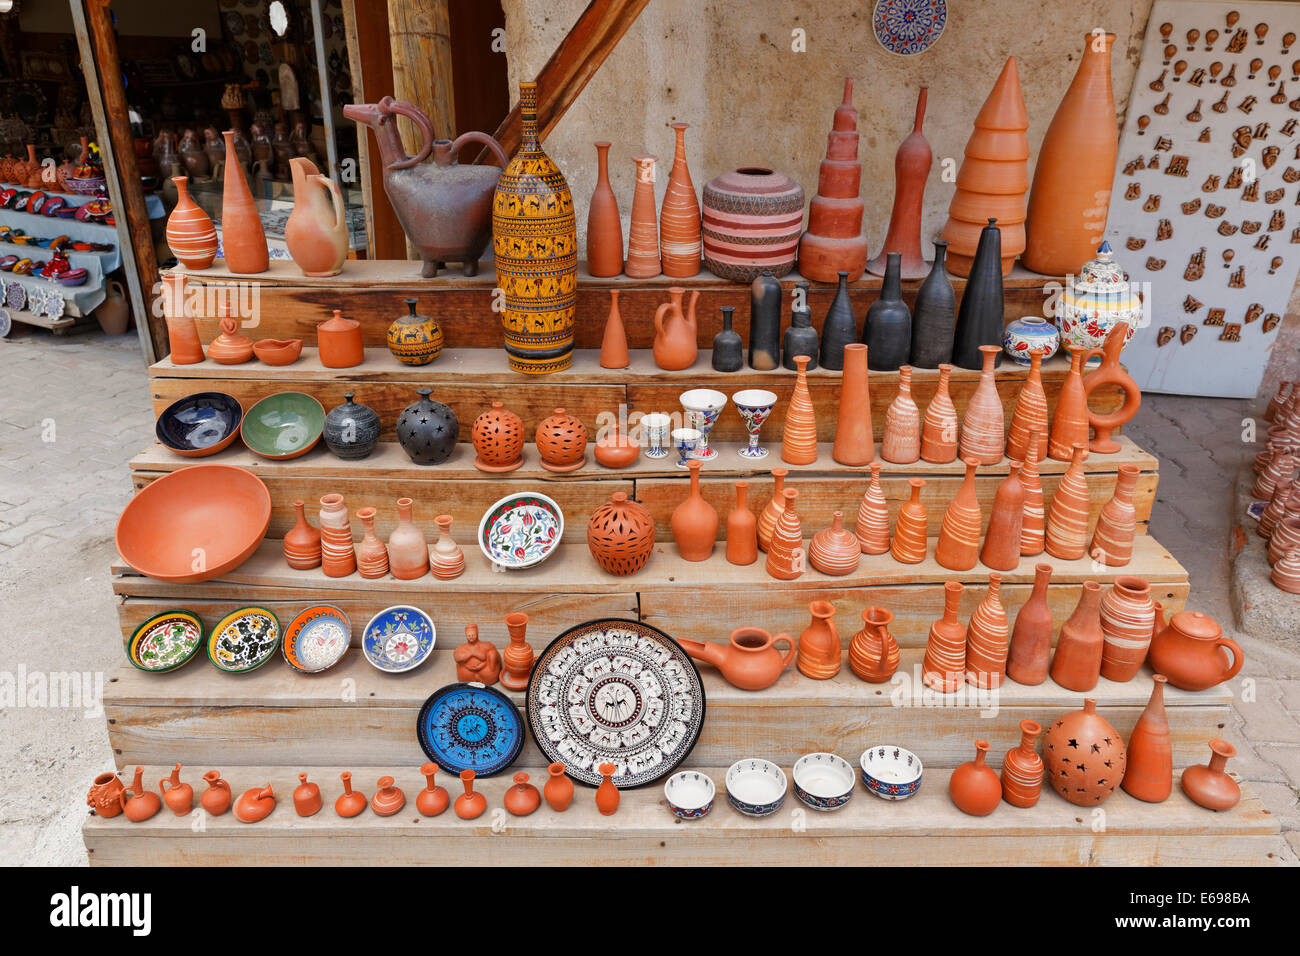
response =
{"points": [[477, 660]]}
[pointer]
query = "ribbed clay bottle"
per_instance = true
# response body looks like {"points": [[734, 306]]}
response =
{"points": [[959, 534], [301, 545], [1033, 527], [604, 226], [910, 530], [944, 665], [772, 510], [1076, 665], [819, 645], [1070, 420], [1030, 653], [372, 556], [901, 443], [1067, 520], [1022, 768], [1112, 541], [799, 435], [680, 239], [1002, 539], [987, 639], [1030, 413], [834, 550], [872, 525], [939, 427], [1149, 774], [982, 436], [854, 442]]}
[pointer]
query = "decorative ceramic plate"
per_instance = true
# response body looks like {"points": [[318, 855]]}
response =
{"points": [[521, 530], [470, 727], [398, 638], [244, 640], [165, 641], [615, 691], [908, 27], [316, 639]]}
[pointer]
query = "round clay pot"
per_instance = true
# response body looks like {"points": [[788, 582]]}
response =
{"points": [[351, 430], [559, 788], [498, 437], [1209, 785], [428, 430], [255, 804], [753, 219], [104, 794], [615, 451], [388, 799], [621, 535], [339, 342], [469, 804], [974, 786], [1084, 782], [523, 798], [216, 799], [350, 802], [230, 347], [306, 797], [562, 442], [835, 550]]}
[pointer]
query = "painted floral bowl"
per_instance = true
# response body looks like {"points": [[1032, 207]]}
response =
{"points": [[689, 794], [521, 530], [398, 639], [823, 781], [755, 787], [890, 772], [200, 425], [165, 641], [244, 640], [316, 639], [284, 425]]}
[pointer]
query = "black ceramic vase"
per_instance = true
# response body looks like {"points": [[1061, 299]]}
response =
{"points": [[765, 322], [934, 314], [979, 320], [428, 430], [888, 329], [728, 353], [800, 337], [351, 429], [839, 328]]}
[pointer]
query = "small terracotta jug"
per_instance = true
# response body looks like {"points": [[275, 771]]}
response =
{"points": [[306, 797], [1067, 520], [873, 652], [141, 804], [785, 557], [1149, 775], [799, 434], [255, 804], [675, 345], [350, 802], [104, 793], [433, 799], [477, 660], [1209, 784], [230, 347], [959, 534], [872, 525], [742, 529], [987, 639], [1112, 540], [446, 561], [974, 786], [939, 429], [982, 436], [750, 661], [772, 510], [408, 552], [1189, 650], [834, 550], [517, 660], [469, 804], [613, 345], [558, 789], [339, 342], [901, 443], [316, 232], [695, 522], [216, 799], [944, 666], [1002, 539], [607, 794], [1076, 665], [388, 799], [1030, 414], [819, 649], [178, 796], [1031, 639], [1033, 526], [523, 798], [242, 235], [1022, 769]]}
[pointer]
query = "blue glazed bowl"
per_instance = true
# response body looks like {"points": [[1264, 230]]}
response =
{"points": [[690, 794], [890, 772], [823, 781], [399, 638], [199, 425], [755, 787]]}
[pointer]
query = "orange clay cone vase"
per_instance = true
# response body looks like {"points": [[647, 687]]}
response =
{"points": [[242, 236], [834, 550], [301, 544], [854, 442], [372, 555], [785, 556], [643, 230], [872, 526], [1033, 528], [604, 227], [613, 347], [1149, 775], [1030, 414], [981, 429], [834, 241], [350, 802], [911, 169], [1022, 768], [1070, 421], [469, 804], [517, 660], [680, 238], [695, 522], [1031, 638], [873, 652], [959, 534], [799, 435], [901, 443], [944, 666], [1112, 541], [1067, 521], [909, 542], [1076, 665], [974, 786], [939, 428], [772, 510], [819, 644], [742, 529], [987, 640], [338, 554], [1002, 539], [1128, 620]]}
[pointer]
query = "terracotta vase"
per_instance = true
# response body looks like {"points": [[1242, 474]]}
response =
{"points": [[980, 315], [854, 442], [231, 347], [1279, 471], [695, 522], [242, 236], [339, 342], [621, 535], [433, 799], [372, 555], [477, 660], [518, 656], [834, 550], [1067, 520], [1286, 572], [974, 786], [939, 427], [1070, 198], [987, 640], [561, 442], [752, 220], [785, 553], [414, 339], [643, 231], [104, 796], [680, 238], [338, 554], [767, 518], [1076, 665], [742, 529], [901, 443], [558, 789], [255, 804], [944, 666], [872, 525], [350, 802], [523, 798], [216, 799], [1189, 650], [317, 230], [1111, 373], [607, 793], [1084, 782], [909, 542], [446, 561], [469, 804], [1002, 539], [1128, 618], [1209, 785], [178, 796], [1030, 414], [1112, 541], [819, 644], [613, 344], [1033, 528], [799, 433], [934, 315], [1030, 652], [1274, 513], [1149, 775], [604, 227], [911, 169], [959, 534], [137, 803], [1022, 768], [1284, 539], [873, 652], [306, 797], [388, 799], [675, 345], [834, 241], [408, 552], [190, 234], [1070, 421], [982, 436], [498, 438], [301, 544]]}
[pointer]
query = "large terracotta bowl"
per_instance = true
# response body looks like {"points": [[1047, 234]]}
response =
{"points": [[284, 425], [199, 425], [194, 524]]}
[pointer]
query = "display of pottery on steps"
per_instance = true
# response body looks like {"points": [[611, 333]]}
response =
{"points": [[911, 169], [834, 240]]}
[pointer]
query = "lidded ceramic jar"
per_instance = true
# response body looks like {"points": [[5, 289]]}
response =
{"points": [[621, 535], [414, 339], [351, 429], [1095, 300], [498, 437], [428, 430], [562, 442]]}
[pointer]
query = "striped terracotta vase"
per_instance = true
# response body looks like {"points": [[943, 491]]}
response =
{"points": [[909, 542], [1002, 539], [872, 526], [190, 234], [873, 652], [753, 219], [1274, 513], [982, 435], [643, 230], [939, 428], [1067, 521], [988, 639], [944, 666], [834, 550], [785, 554], [1127, 617], [1022, 768], [679, 217], [901, 443], [1112, 541], [959, 534], [338, 556], [1034, 524], [772, 511], [799, 436], [1030, 414]]}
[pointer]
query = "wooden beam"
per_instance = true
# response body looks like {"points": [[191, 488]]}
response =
{"points": [[420, 34]]}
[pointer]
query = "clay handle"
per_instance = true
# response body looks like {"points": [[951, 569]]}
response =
{"points": [[1238, 658], [659, 317], [336, 195], [221, 785], [484, 139], [415, 115], [785, 661], [162, 785]]}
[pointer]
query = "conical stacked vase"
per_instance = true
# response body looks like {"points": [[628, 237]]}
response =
{"points": [[939, 427], [982, 435], [834, 240], [799, 436]]}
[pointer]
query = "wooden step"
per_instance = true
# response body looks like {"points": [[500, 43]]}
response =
{"points": [[924, 830], [355, 714]]}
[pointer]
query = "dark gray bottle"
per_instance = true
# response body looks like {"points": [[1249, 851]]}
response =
{"points": [[800, 337], [728, 352], [888, 329], [934, 314], [839, 328], [979, 320], [765, 322]]}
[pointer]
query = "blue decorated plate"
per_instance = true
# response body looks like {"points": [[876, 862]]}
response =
{"points": [[908, 27], [470, 727], [398, 639]]}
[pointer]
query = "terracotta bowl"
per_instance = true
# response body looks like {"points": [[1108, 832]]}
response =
{"points": [[199, 425], [277, 351], [284, 425], [209, 517]]}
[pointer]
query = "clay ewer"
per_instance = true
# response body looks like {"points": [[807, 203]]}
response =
{"points": [[944, 666], [772, 510], [523, 798], [242, 236], [427, 430], [1031, 639], [621, 535], [834, 550], [1149, 775], [680, 239], [901, 442], [388, 799], [339, 342], [911, 168], [607, 794], [854, 442], [1067, 520], [517, 660], [1030, 415], [469, 804], [742, 529], [1128, 619], [558, 789], [408, 551], [974, 786], [872, 525], [1022, 768], [498, 437], [604, 227], [675, 346], [230, 347], [987, 639], [982, 436], [190, 234], [799, 434], [103, 796], [873, 652], [178, 796], [1189, 650], [613, 344], [887, 329], [1110, 372], [909, 542], [749, 661], [785, 554], [414, 339], [643, 260], [1209, 784], [477, 661], [819, 647], [216, 799], [1002, 539], [1085, 756], [446, 559], [959, 534], [136, 802], [934, 315], [561, 442], [306, 797], [433, 799], [695, 521], [317, 230], [255, 804], [939, 428], [1076, 665]]}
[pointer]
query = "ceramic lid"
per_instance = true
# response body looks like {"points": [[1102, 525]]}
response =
{"points": [[1101, 279], [1196, 624]]}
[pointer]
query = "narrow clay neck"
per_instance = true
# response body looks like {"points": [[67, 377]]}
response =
{"points": [[778, 484], [981, 748], [940, 253], [917, 484], [1157, 691], [844, 284], [968, 483], [905, 381], [556, 770], [528, 117], [602, 164], [945, 371], [1029, 731], [790, 495], [892, 286], [921, 98], [517, 626], [727, 311], [679, 155], [1126, 484], [823, 611], [405, 508], [995, 584], [694, 466], [875, 475], [1042, 577], [837, 522], [1220, 751], [347, 783], [1035, 365], [742, 495], [182, 188], [467, 778], [300, 509], [1089, 602], [990, 353], [951, 601], [429, 770]]}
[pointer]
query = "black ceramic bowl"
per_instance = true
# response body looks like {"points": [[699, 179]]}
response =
{"points": [[200, 424]]}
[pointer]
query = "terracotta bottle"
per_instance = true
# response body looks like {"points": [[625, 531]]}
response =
{"points": [[934, 315], [388, 799], [680, 239], [604, 227], [1002, 539], [338, 554], [1128, 618], [834, 240], [178, 796], [190, 234], [939, 428], [1067, 520], [301, 544], [408, 552], [799, 435], [674, 344], [872, 525], [1022, 768], [785, 554], [982, 427], [517, 660], [255, 804], [613, 346], [911, 528], [216, 799], [1209, 784], [834, 550], [695, 522], [136, 802], [469, 804], [1149, 775], [1076, 665], [1111, 373], [477, 660], [987, 639], [1031, 639], [607, 793], [372, 555], [182, 334], [643, 230], [242, 235], [447, 561], [523, 798], [944, 666], [911, 169], [873, 652], [819, 644], [901, 443], [306, 797], [959, 534], [1070, 421], [772, 510], [974, 786], [350, 802], [728, 350], [317, 230], [1033, 528], [854, 442], [1084, 783], [433, 799], [558, 789], [1030, 414], [742, 529]]}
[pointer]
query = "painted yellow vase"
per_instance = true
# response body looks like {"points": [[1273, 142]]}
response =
{"points": [[535, 243]]}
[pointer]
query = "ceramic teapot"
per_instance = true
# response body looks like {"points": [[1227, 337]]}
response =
{"points": [[750, 661], [675, 347], [1188, 650]]}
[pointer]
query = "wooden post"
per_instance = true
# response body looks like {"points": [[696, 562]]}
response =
{"points": [[420, 34]]}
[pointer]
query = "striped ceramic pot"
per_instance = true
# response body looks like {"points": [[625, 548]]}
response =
{"points": [[190, 234], [1128, 616], [753, 219]]}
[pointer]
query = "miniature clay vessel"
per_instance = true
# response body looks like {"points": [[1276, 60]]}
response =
{"points": [[351, 430], [1128, 617], [613, 344], [103, 796], [1067, 519], [1030, 414], [414, 339], [178, 796], [338, 554], [1029, 656], [408, 552], [184, 347], [674, 346], [873, 652], [680, 241], [785, 553], [742, 529], [944, 666], [872, 525], [901, 442], [1022, 768], [772, 510], [911, 168], [190, 234], [1021, 336], [1033, 528], [695, 522], [987, 640], [982, 437], [621, 535], [1286, 572], [839, 327], [939, 427], [558, 789], [255, 804], [306, 797], [388, 799], [1070, 421], [1189, 650], [834, 239], [616, 450], [339, 342], [959, 534], [446, 561], [1084, 756], [607, 794], [1209, 784], [909, 542], [819, 647], [799, 434], [477, 660], [427, 430], [523, 798], [433, 799], [317, 230], [728, 350], [1110, 372], [854, 442], [1002, 538], [469, 804], [979, 318], [216, 799], [1149, 775], [643, 260], [834, 550], [750, 661], [752, 220], [1076, 665], [498, 437], [242, 235], [887, 329], [562, 442], [517, 660], [604, 228], [277, 351], [800, 338], [230, 347], [974, 786], [136, 802]]}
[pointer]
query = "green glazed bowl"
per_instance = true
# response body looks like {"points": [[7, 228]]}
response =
{"points": [[284, 425]]}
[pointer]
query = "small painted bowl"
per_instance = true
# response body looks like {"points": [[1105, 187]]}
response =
{"points": [[398, 639], [520, 530], [689, 794], [890, 772], [316, 639], [165, 641], [244, 640], [1027, 333], [284, 425], [755, 787], [823, 781], [199, 425]]}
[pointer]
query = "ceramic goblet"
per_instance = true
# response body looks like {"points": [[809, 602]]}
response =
{"points": [[703, 406], [754, 405], [685, 440], [655, 428]]}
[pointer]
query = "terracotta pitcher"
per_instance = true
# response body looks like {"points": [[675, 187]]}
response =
{"points": [[819, 644], [317, 230], [1189, 651], [873, 652], [178, 796], [674, 345], [216, 799], [750, 661]]}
